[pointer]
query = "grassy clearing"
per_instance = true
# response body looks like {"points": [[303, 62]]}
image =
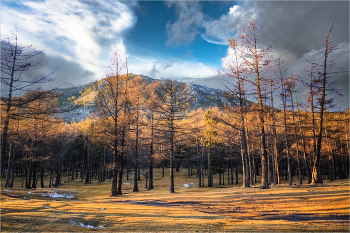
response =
{"points": [[225, 208]]}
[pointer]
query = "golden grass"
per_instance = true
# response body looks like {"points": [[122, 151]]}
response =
{"points": [[225, 208]]}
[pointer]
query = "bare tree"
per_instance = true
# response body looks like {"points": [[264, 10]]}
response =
{"points": [[284, 96], [323, 100], [111, 103], [16, 60], [233, 79], [256, 61], [152, 106], [174, 97]]}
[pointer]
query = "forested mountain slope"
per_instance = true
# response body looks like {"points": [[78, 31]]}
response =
{"points": [[83, 95]]}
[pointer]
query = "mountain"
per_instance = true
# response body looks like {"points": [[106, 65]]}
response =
{"points": [[205, 97]]}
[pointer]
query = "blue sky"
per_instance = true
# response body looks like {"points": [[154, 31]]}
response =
{"points": [[185, 40], [152, 20]]}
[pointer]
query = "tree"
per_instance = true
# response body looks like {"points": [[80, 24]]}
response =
{"points": [[152, 107], [112, 104], [235, 75], [16, 60], [256, 61], [174, 97], [136, 99], [323, 100], [276, 174]]}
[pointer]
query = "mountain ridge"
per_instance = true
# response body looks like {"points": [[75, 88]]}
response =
{"points": [[204, 97]]}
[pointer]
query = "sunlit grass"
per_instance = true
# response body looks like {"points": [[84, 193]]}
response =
{"points": [[225, 208]]}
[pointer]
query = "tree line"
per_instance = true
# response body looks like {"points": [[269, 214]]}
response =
{"points": [[139, 126]]}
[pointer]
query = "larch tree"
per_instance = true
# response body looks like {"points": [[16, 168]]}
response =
{"points": [[276, 174], [111, 103], [325, 75], [16, 60], [284, 96], [137, 102], [256, 60], [233, 78], [174, 97], [152, 104]]}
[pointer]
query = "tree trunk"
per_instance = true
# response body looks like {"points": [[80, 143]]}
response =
{"points": [[172, 162], [29, 176], [150, 165], [276, 175], [22, 173], [316, 172], [34, 176], [306, 161], [58, 174], [284, 100], [9, 162], [210, 174], [244, 148], [330, 159], [41, 175]]}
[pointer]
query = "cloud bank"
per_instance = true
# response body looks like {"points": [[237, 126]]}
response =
{"points": [[78, 35], [295, 29]]}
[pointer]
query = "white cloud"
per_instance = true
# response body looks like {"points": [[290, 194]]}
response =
{"points": [[212, 41], [184, 29], [79, 31], [228, 24], [160, 68], [235, 10]]}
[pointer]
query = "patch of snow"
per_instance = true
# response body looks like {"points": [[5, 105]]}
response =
{"points": [[80, 224], [29, 192], [56, 195], [46, 207], [24, 197], [102, 208], [101, 226], [86, 226], [126, 183], [210, 225], [8, 190], [189, 185]]}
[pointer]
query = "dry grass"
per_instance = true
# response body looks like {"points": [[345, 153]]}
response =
{"points": [[225, 208]]}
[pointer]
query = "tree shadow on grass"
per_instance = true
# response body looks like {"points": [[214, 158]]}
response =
{"points": [[306, 217]]}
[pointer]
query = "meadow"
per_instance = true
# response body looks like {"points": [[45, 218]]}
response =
{"points": [[75, 207]]}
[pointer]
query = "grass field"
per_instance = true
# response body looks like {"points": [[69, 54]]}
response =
{"points": [[281, 208]]}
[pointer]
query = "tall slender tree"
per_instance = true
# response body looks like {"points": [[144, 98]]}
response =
{"points": [[175, 98], [111, 103], [233, 79], [323, 100], [256, 60]]}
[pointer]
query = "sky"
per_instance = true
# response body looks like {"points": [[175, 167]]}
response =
{"points": [[184, 40]]}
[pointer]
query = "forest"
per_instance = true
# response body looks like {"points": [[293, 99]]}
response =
{"points": [[138, 126]]}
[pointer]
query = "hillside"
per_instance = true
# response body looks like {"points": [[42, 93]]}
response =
{"points": [[205, 97]]}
